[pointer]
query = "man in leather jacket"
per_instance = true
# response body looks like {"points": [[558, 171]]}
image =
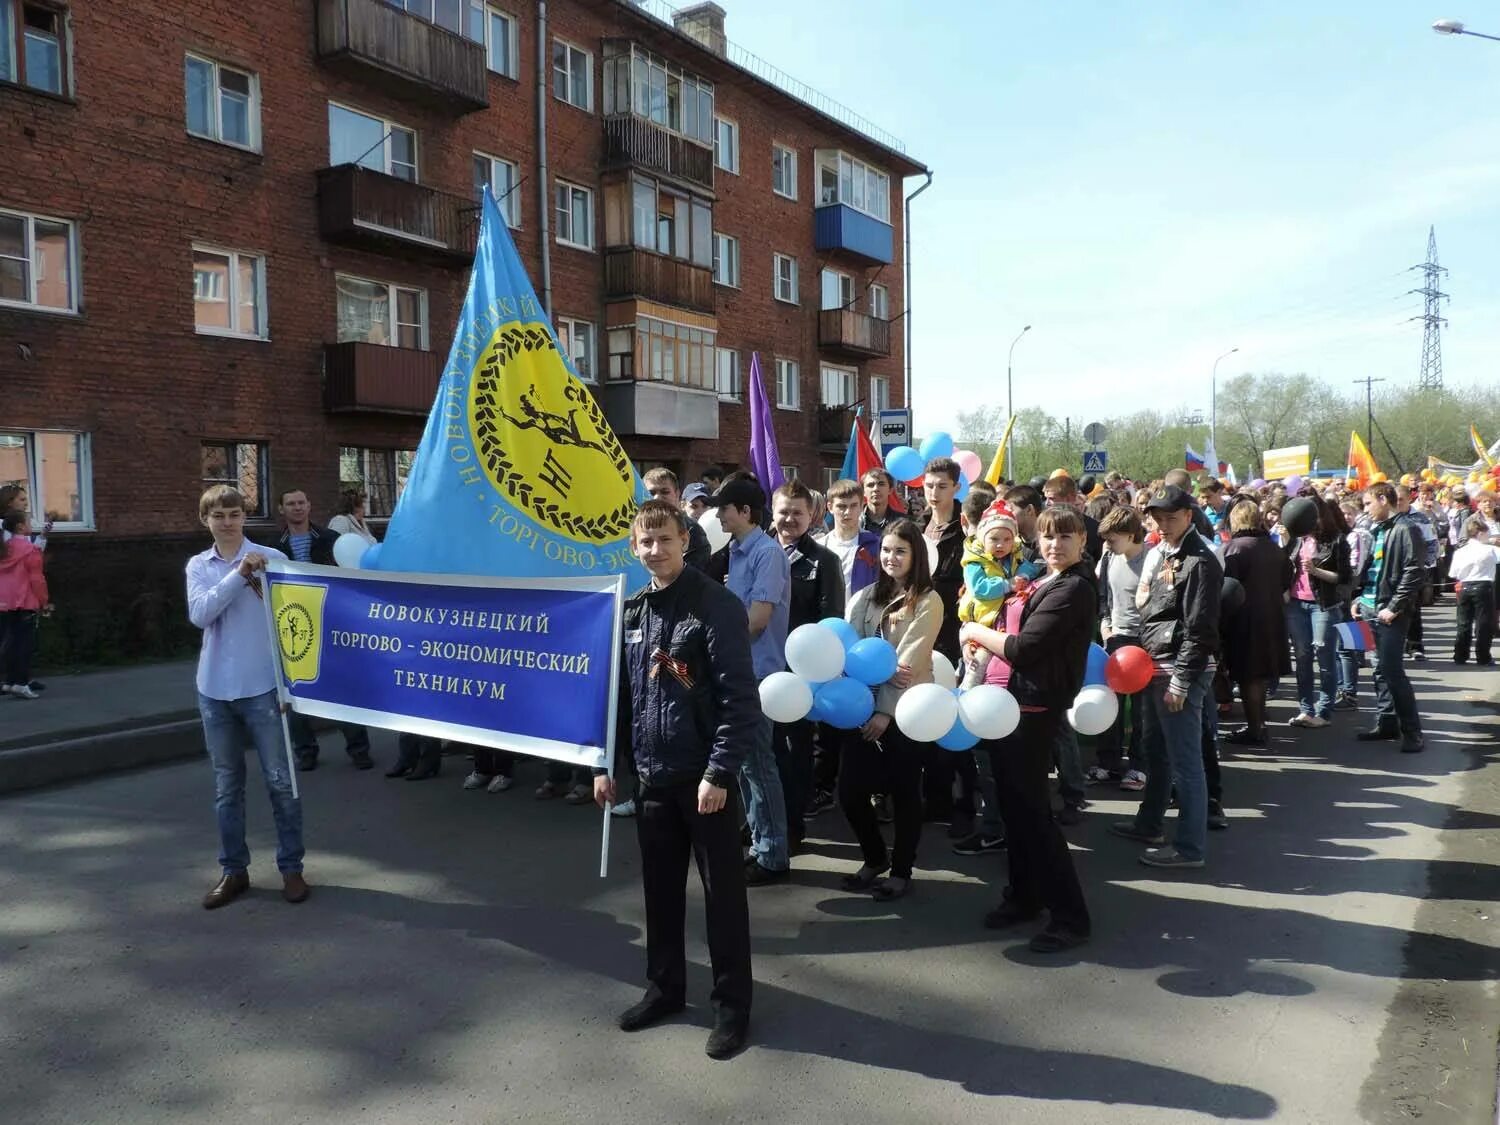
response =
{"points": [[1390, 589]]}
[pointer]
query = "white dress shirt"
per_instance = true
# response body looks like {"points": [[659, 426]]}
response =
{"points": [[236, 660], [1473, 562]]}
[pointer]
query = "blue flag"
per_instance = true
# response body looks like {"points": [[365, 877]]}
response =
{"points": [[518, 474]]}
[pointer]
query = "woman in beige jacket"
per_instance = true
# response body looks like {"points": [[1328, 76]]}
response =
{"points": [[902, 607]]}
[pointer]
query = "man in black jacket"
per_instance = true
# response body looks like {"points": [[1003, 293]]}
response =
{"points": [[688, 713], [1179, 600], [662, 485], [1390, 588]]}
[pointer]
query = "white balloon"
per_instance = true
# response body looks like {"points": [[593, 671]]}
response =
{"points": [[926, 712], [944, 674], [989, 711], [1094, 710], [815, 653], [348, 550], [785, 697]]}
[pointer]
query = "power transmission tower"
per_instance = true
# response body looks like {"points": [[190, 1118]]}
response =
{"points": [[1431, 378]]}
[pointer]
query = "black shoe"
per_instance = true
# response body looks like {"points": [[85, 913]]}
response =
{"points": [[978, 844], [758, 876], [1377, 734], [821, 801], [1070, 815], [1056, 939], [423, 770], [1412, 744], [1008, 914], [727, 1037], [307, 762], [400, 769], [1244, 736], [646, 1012], [362, 760], [962, 825], [1216, 818], [1460, 660]]}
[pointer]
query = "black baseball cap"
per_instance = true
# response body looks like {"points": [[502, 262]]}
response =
{"points": [[740, 494], [1170, 498]]}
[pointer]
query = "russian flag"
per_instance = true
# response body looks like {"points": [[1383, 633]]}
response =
{"points": [[1193, 461], [1356, 636]]}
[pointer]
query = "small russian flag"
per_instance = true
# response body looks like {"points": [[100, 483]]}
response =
{"points": [[1356, 636]]}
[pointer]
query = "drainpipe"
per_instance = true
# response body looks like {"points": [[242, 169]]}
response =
{"points": [[906, 282], [544, 194]]}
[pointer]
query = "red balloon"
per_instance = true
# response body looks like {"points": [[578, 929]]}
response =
{"points": [[1128, 670]]}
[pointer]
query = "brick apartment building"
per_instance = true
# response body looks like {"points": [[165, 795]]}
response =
{"points": [[235, 236]]}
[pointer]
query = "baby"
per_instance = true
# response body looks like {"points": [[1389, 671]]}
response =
{"points": [[993, 572]]}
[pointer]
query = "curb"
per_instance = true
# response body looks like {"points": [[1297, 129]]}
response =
{"points": [[92, 754]]}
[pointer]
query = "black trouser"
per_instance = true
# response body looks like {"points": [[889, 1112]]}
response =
{"points": [[490, 761], [1123, 739], [413, 751], [18, 636], [1414, 631], [892, 766], [826, 757], [1476, 613], [305, 740], [669, 828], [939, 767], [793, 744], [1041, 868]]}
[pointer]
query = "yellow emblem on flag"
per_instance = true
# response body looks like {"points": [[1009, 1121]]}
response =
{"points": [[544, 442], [298, 611]]}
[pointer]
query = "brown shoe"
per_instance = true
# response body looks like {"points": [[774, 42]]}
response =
{"points": [[229, 888], [294, 887]]}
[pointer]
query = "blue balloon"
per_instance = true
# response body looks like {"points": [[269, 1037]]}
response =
{"points": [[904, 463], [846, 632], [370, 560], [962, 492], [1093, 671], [958, 737], [871, 661], [939, 444], [844, 703]]}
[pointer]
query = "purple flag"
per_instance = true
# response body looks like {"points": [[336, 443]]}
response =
{"points": [[765, 458]]}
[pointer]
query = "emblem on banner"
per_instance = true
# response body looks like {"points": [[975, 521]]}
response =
{"points": [[543, 440], [298, 611]]}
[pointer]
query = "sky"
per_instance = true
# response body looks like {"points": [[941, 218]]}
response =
{"points": [[1151, 184]]}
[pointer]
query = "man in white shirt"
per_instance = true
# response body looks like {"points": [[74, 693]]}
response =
{"points": [[1472, 570], [237, 695], [858, 550]]}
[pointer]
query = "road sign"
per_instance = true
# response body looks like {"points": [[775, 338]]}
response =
{"points": [[1095, 460], [895, 429], [1095, 433]]}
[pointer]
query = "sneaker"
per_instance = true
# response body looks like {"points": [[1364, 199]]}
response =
{"points": [[822, 801], [1300, 720], [580, 794], [5, 688], [1346, 702], [1217, 819], [1314, 722], [1134, 781], [624, 808], [499, 783], [1417, 654], [1168, 857], [1127, 829], [476, 780], [547, 790], [1244, 736], [23, 691], [1096, 775], [978, 844], [758, 876]]}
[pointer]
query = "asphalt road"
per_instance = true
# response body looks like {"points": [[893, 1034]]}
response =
{"points": [[461, 961]]}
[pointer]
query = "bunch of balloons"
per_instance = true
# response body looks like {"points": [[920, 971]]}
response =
{"points": [[833, 674], [909, 465], [353, 553], [1106, 676]]}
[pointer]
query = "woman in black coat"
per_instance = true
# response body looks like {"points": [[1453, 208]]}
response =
{"points": [[1254, 644]]}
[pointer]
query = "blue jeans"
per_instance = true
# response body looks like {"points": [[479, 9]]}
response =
{"points": [[227, 723], [1395, 700], [765, 803], [1311, 629], [1174, 758]]}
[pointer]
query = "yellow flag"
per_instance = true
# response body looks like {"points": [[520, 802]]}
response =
{"points": [[298, 609], [997, 466], [1479, 448]]}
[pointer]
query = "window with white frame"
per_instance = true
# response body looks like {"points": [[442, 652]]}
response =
{"points": [[572, 75], [880, 394], [55, 468], [649, 86], [840, 385], [789, 472], [244, 466], [784, 171], [229, 292], [576, 338], [727, 374], [837, 290], [33, 45], [376, 312], [829, 477], [371, 142], [727, 145], [784, 271], [843, 179], [381, 474], [503, 178], [880, 302], [575, 215], [223, 104], [497, 31], [38, 261], [726, 260], [788, 393]]}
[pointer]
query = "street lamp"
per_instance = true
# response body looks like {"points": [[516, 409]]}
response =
{"points": [[1010, 402], [1456, 27], [1213, 403]]}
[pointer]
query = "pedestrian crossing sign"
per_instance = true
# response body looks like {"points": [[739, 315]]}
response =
{"points": [[1095, 461]]}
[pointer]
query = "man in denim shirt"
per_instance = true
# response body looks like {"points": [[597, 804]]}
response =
{"points": [[761, 576]]}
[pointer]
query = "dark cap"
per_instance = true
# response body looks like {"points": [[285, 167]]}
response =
{"points": [[740, 494], [695, 491], [1170, 498]]}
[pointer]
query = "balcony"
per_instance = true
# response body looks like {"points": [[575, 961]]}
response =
{"points": [[834, 425], [631, 141], [853, 333], [839, 227], [632, 272], [368, 209], [644, 408], [370, 39], [368, 378]]}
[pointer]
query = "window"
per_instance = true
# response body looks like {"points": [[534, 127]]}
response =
{"points": [[38, 261], [880, 302], [843, 179], [503, 178], [880, 394], [245, 465], [647, 85], [447, 14], [662, 219], [837, 290], [664, 352], [374, 312], [829, 477], [785, 271], [727, 374], [56, 470], [788, 394], [575, 216], [840, 386], [727, 145], [32, 48], [789, 472], [572, 75], [496, 30], [576, 338], [371, 142], [726, 260], [784, 171], [229, 293], [223, 104], [381, 474]]}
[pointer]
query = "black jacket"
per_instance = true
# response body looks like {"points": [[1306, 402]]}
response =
{"points": [[948, 581], [817, 583], [1048, 655], [1180, 622], [321, 548], [1403, 568], [1332, 555], [688, 701], [698, 548]]}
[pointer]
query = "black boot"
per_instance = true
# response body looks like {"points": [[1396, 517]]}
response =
{"points": [[407, 747], [429, 761]]}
